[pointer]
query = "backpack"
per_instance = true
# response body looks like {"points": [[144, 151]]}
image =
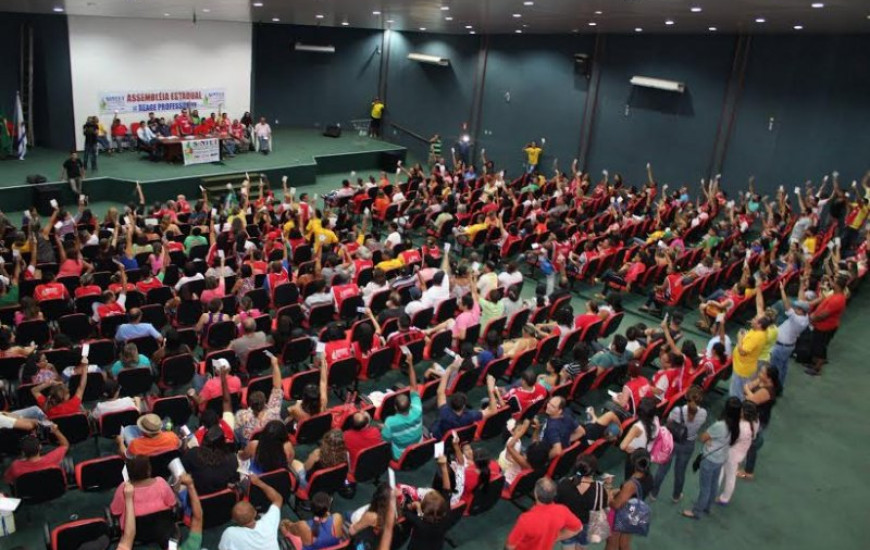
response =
{"points": [[662, 446], [679, 431]]}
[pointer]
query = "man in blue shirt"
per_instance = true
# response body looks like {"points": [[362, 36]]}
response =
{"points": [[452, 413], [136, 328], [561, 429]]}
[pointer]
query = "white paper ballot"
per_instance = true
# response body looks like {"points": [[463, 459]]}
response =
{"points": [[8, 504], [391, 476], [86, 348], [124, 473], [176, 468], [53, 203], [439, 449]]}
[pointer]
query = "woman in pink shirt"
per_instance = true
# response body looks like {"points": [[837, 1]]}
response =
{"points": [[150, 494], [71, 262]]}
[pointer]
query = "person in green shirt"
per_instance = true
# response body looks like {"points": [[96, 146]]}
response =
{"points": [[405, 428], [9, 285], [194, 239]]}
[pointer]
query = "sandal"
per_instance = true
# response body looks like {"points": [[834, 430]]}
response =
{"points": [[743, 475], [689, 514]]}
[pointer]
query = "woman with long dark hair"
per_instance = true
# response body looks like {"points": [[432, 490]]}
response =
{"points": [[272, 450], [428, 519], [641, 432], [738, 451], [763, 391], [717, 440], [323, 530], [212, 465], [373, 516], [692, 415], [638, 484]]}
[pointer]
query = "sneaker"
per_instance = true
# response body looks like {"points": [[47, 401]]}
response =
{"points": [[677, 498]]}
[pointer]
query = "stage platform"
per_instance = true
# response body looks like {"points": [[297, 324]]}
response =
{"points": [[299, 154]]}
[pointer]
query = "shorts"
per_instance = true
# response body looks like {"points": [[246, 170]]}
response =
{"points": [[819, 343], [581, 538]]}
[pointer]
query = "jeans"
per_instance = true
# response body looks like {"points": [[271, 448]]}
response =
{"points": [[737, 383], [90, 152], [752, 455], [129, 433], [779, 356], [264, 144], [32, 413], [682, 455], [708, 481], [716, 296], [103, 141]]}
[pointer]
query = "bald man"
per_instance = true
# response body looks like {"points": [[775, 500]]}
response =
{"points": [[251, 339], [248, 533]]}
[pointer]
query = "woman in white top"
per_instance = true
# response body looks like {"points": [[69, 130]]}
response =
{"points": [[513, 460], [737, 451], [642, 432]]}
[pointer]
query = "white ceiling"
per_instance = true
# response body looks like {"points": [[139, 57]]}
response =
{"points": [[496, 16]]}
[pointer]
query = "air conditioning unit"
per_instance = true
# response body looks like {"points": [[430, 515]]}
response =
{"points": [[658, 84], [431, 59], [300, 47]]}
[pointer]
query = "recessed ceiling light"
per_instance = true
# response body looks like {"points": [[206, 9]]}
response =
{"points": [[390, 21], [517, 15], [445, 8], [472, 32], [319, 16], [275, 19], [422, 28], [528, 3], [344, 23], [165, 15], [638, 29], [669, 22], [593, 24], [760, 20], [519, 31], [58, 10], [696, 9], [468, 27], [798, 27], [598, 12], [712, 29], [575, 30], [258, 4], [376, 12], [448, 18], [817, 5], [206, 10]]}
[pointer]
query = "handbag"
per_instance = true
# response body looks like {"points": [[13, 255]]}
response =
{"points": [[634, 516], [599, 528], [696, 464], [678, 430]]}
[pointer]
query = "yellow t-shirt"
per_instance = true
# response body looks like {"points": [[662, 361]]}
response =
{"points": [[534, 153], [377, 109], [746, 363], [772, 334], [314, 226], [324, 237], [860, 217], [473, 230], [240, 217], [289, 226], [389, 265]]}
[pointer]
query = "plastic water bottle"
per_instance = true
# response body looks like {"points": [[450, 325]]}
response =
{"points": [[167, 424]]}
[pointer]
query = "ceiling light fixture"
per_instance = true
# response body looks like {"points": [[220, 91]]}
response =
{"points": [[344, 23], [669, 22], [593, 24], [206, 10], [445, 8], [798, 27], [390, 21], [376, 12], [712, 29], [165, 15], [638, 29], [468, 27], [696, 9], [517, 15], [258, 4], [422, 28], [528, 3], [448, 18], [519, 31], [599, 12], [472, 32], [275, 20], [58, 10], [319, 16], [817, 5], [760, 20]]}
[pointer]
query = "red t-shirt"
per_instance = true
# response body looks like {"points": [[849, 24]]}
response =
{"points": [[411, 256], [526, 397], [343, 292], [834, 306], [338, 350], [145, 286], [89, 290], [634, 272], [585, 319], [21, 467], [539, 528], [358, 440], [106, 310], [229, 436], [174, 246], [70, 406], [50, 291]]}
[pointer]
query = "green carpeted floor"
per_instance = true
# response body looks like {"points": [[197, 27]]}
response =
{"points": [[810, 491]]}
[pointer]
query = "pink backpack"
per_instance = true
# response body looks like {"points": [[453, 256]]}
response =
{"points": [[662, 446]]}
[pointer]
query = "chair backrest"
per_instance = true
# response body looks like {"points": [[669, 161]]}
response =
{"points": [[73, 534], [328, 480], [75, 427], [565, 462], [217, 508], [102, 352], [546, 348], [177, 370], [380, 362], [310, 430], [517, 321], [160, 462], [94, 389], [282, 481], [41, 485], [99, 474], [343, 373], [497, 368], [111, 423], [10, 367], [415, 456], [220, 334], [176, 407], [494, 425], [483, 501], [136, 381], [388, 405], [372, 463]]}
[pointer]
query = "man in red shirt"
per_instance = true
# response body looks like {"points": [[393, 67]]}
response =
{"points": [[361, 435], [527, 393], [50, 289], [589, 316], [32, 458], [545, 523], [826, 320]]}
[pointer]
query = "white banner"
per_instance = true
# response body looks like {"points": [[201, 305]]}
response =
{"points": [[167, 100], [199, 151]]}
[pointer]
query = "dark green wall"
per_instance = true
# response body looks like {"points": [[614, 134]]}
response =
{"points": [[817, 90], [52, 82], [305, 89]]}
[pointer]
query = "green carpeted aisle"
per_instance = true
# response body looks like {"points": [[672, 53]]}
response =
{"points": [[810, 491]]}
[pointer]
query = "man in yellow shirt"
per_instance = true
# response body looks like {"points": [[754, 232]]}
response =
{"points": [[533, 152], [389, 263], [377, 114], [746, 353]]}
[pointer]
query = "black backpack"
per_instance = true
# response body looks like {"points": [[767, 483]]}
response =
{"points": [[678, 430]]}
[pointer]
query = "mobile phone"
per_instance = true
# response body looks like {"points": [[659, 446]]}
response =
{"points": [[16, 253], [185, 431], [86, 348], [439, 449], [360, 310], [214, 212]]}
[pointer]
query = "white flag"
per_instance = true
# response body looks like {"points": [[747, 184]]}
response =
{"points": [[20, 130]]}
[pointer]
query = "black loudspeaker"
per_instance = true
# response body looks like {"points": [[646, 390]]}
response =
{"points": [[333, 131], [33, 179], [42, 195]]}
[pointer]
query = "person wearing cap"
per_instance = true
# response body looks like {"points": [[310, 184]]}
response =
{"points": [[790, 330], [146, 438]]}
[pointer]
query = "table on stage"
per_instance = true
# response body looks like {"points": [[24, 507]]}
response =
{"points": [[172, 150]]}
